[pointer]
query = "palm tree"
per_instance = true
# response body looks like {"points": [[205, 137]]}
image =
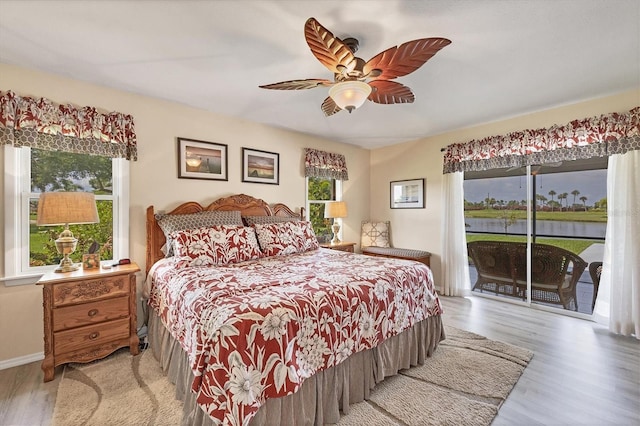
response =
{"points": [[584, 202], [575, 193], [562, 196], [542, 200], [552, 193]]}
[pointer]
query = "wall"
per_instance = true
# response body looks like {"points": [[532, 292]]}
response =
{"points": [[154, 176], [421, 228]]}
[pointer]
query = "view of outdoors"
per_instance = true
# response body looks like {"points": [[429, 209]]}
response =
{"points": [[570, 212], [60, 171], [320, 190]]}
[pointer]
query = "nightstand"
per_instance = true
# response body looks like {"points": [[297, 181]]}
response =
{"points": [[341, 246], [88, 314]]}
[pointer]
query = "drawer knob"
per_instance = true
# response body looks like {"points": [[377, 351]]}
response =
{"points": [[94, 335], [92, 312]]}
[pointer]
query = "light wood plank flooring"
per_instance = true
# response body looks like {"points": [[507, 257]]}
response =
{"points": [[580, 373]]}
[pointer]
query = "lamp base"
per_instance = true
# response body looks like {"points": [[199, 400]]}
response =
{"points": [[66, 244], [67, 265], [336, 229]]}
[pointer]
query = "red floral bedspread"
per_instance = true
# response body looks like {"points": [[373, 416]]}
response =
{"points": [[258, 329]]}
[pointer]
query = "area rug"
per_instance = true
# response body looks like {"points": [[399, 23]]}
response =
{"points": [[464, 383]]}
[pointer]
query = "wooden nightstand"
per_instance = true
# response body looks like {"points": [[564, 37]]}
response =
{"points": [[88, 314], [341, 246]]}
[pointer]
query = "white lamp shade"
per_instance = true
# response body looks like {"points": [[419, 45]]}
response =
{"points": [[61, 208], [350, 95], [335, 209]]}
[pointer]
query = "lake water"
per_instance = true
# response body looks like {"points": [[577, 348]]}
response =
{"points": [[546, 227]]}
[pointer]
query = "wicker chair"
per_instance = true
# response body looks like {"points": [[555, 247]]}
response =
{"points": [[595, 270], [502, 269]]}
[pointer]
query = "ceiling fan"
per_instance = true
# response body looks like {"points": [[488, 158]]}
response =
{"points": [[356, 80]]}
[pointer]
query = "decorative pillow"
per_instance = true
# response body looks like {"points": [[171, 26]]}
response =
{"points": [[278, 239], [178, 222], [265, 220], [375, 234], [216, 245]]}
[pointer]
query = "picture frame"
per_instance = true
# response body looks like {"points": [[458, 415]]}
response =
{"points": [[91, 261], [260, 166], [202, 160], [407, 194]]}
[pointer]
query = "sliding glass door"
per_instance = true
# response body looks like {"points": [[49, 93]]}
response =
{"points": [[535, 232]]}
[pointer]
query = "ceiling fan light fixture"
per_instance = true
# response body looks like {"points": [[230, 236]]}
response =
{"points": [[350, 95]]}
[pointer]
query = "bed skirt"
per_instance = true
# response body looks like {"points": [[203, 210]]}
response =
{"points": [[321, 397]]}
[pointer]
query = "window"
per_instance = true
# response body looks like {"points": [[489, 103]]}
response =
{"points": [[319, 191], [30, 249]]}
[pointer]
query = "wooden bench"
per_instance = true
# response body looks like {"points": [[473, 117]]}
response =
{"points": [[502, 269], [399, 253]]}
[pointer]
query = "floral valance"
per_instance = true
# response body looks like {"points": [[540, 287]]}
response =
{"points": [[324, 164], [40, 123], [580, 139]]}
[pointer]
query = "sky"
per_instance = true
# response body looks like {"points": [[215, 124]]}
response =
{"points": [[591, 184]]}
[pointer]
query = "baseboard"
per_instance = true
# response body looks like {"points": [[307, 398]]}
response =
{"points": [[21, 360]]}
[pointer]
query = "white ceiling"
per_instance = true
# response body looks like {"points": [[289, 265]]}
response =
{"points": [[507, 58]]}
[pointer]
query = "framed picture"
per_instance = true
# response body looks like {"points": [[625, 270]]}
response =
{"points": [[202, 160], [260, 166], [407, 194]]}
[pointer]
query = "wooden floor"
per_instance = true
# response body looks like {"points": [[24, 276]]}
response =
{"points": [[580, 373]]}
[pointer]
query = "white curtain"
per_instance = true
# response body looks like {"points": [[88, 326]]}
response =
{"points": [[618, 303], [455, 264]]}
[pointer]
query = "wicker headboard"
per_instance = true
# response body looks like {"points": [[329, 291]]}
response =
{"points": [[246, 204]]}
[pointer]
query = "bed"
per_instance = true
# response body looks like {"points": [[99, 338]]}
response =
{"points": [[285, 336]]}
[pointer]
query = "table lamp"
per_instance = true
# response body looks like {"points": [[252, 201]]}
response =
{"points": [[335, 210], [64, 208]]}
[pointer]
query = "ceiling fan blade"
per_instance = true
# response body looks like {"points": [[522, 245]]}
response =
{"points": [[390, 92], [328, 49], [404, 59], [298, 84], [329, 107]]}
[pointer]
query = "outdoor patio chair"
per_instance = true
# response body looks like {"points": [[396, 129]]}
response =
{"points": [[595, 270], [502, 268]]}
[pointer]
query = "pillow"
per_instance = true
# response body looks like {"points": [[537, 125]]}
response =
{"points": [[217, 245], [265, 220], [176, 222], [375, 234], [277, 239]]}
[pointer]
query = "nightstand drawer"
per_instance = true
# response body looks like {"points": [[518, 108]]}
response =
{"points": [[93, 335], [90, 290], [90, 313]]}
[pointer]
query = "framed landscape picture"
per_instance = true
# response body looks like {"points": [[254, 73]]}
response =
{"points": [[407, 194], [202, 160], [260, 166]]}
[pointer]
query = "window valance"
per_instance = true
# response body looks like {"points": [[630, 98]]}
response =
{"points": [[42, 124], [325, 164], [580, 139]]}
